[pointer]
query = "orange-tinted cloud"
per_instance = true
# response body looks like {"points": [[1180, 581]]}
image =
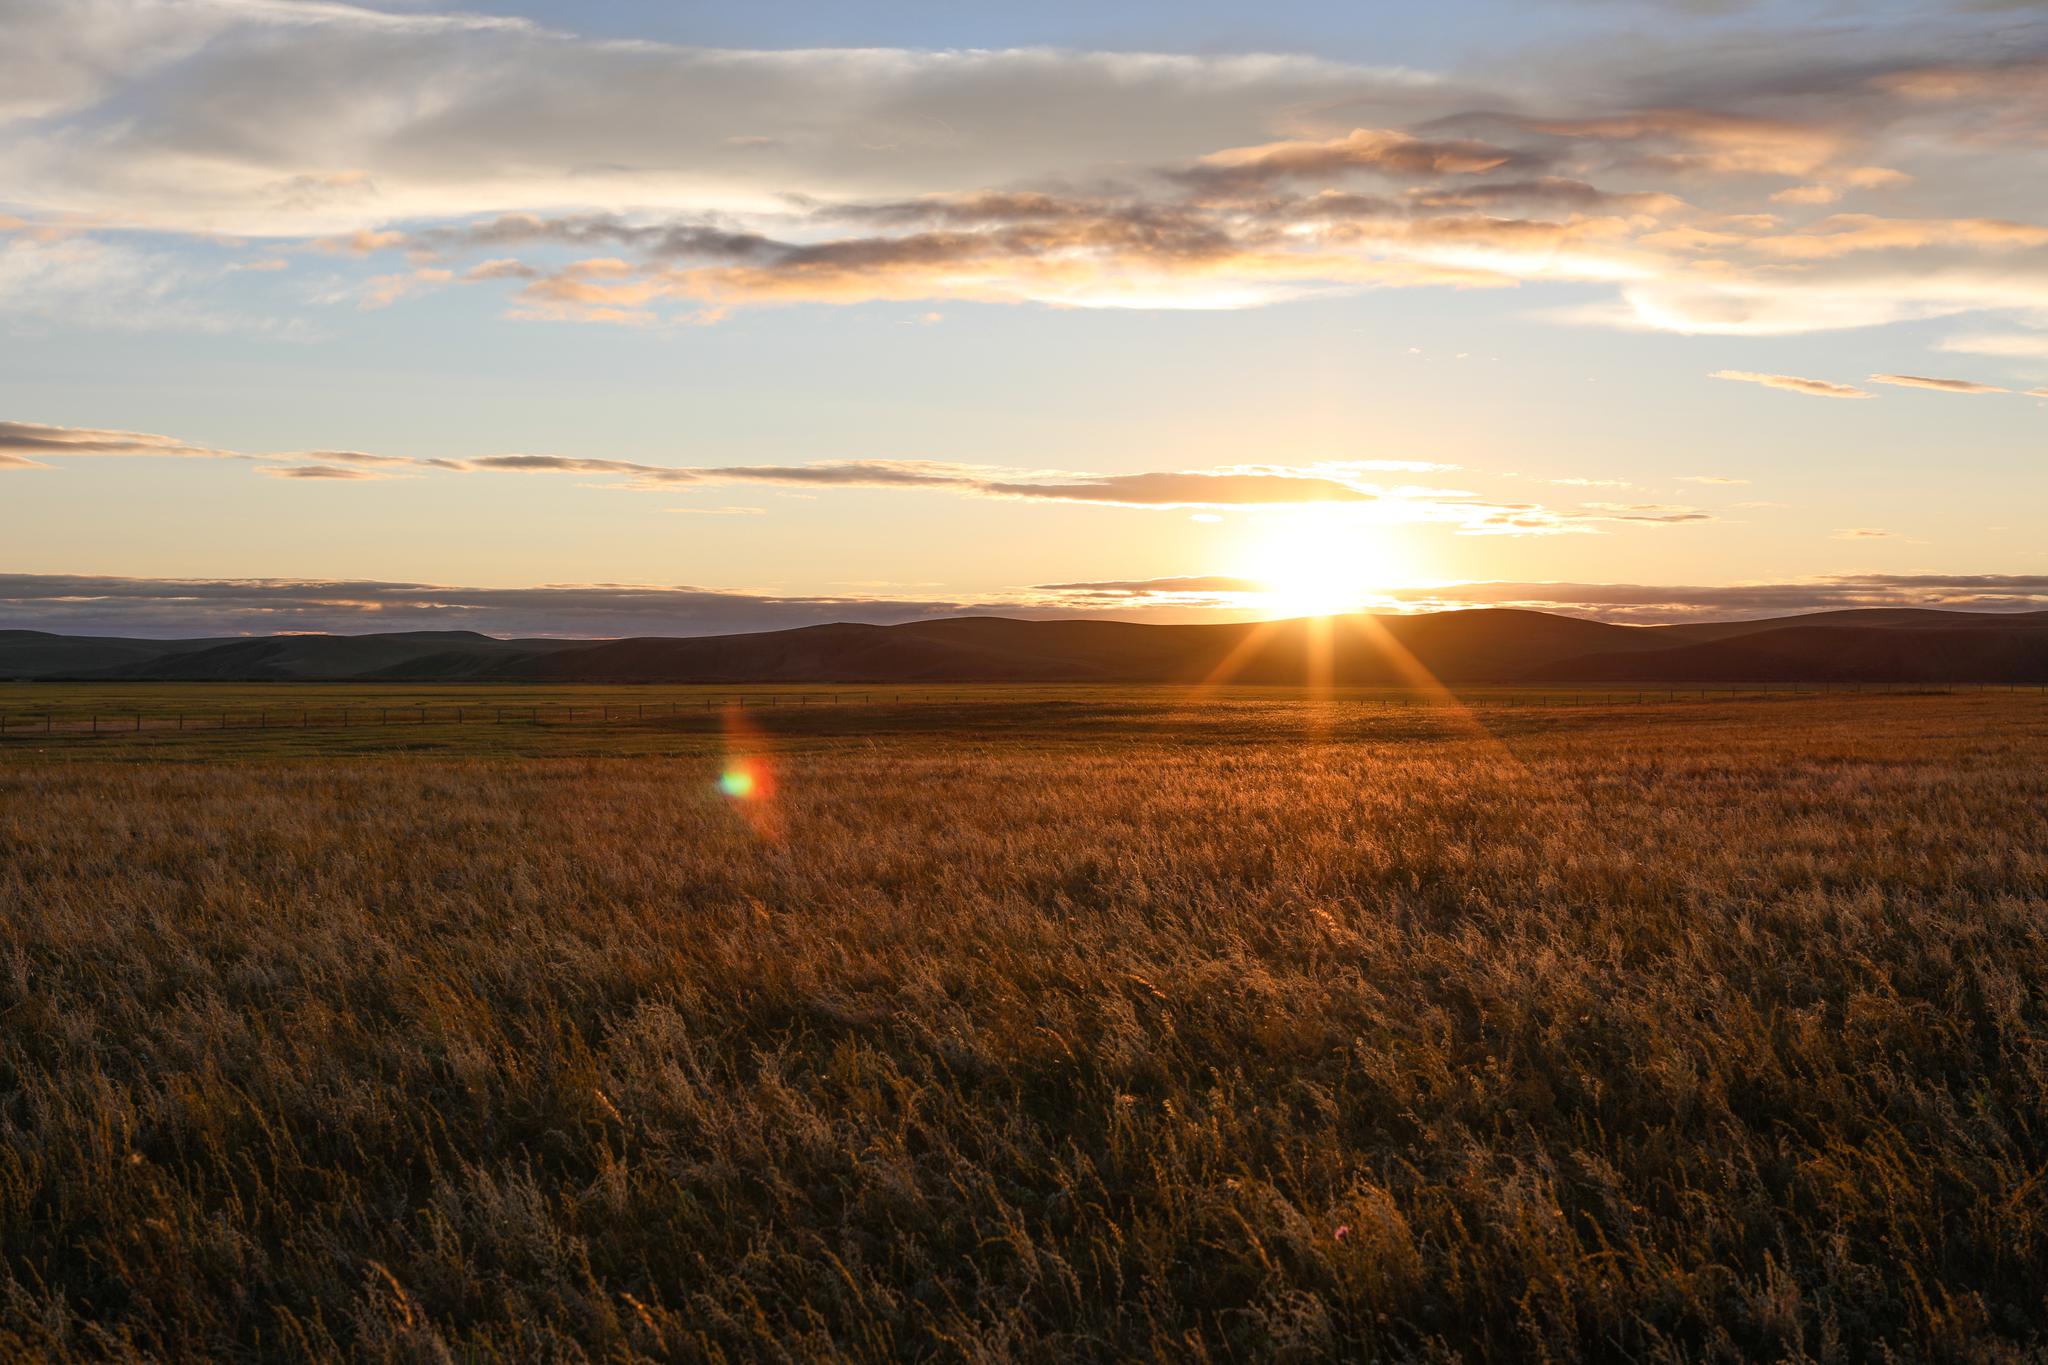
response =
{"points": [[1792, 383], [1916, 381], [1239, 170], [328, 472]]}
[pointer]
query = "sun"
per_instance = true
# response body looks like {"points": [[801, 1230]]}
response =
{"points": [[1321, 561]]}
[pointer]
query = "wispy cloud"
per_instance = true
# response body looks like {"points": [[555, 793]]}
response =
{"points": [[1865, 533], [32, 438], [1917, 381], [1658, 512], [327, 472], [1792, 383], [1245, 486], [2019, 346]]}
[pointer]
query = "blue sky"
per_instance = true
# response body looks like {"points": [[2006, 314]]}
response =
{"points": [[768, 314]]}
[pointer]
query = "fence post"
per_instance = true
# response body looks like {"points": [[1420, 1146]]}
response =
{"points": [[138, 722], [95, 724]]}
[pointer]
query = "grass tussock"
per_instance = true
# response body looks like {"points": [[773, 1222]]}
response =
{"points": [[1685, 1035]]}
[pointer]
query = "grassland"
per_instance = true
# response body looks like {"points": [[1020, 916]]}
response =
{"points": [[1036, 1027]]}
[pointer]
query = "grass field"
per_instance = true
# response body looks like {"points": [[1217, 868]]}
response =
{"points": [[1035, 1027]]}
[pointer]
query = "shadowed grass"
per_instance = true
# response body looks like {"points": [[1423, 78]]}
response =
{"points": [[1701, 1031]]}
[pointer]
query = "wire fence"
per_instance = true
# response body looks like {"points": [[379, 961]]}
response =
{"points": [[168, 720], [217, 720]]}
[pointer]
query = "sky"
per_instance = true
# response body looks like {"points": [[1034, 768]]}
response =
{"points": [[675, 318]]}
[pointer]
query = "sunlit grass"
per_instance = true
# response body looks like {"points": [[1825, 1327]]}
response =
{"points": [[1040, 1031]]}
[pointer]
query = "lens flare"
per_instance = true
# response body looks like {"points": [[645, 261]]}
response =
{"points": [[747, 778]]}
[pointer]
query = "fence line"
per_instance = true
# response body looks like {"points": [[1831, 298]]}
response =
{"points": [[16, 724], [50, 724]]}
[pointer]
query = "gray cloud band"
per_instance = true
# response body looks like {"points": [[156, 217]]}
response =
{"points": [[100, 605]]}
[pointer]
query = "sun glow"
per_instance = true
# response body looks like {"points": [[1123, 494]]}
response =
{"points": [[1322, 561]]}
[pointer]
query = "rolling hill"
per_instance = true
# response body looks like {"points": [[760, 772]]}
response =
{"points": [[264, 658], [39, 654], [1836, 653], [1460, 646]]}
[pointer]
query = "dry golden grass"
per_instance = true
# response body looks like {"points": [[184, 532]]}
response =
{"points": [[1687, 1033]]}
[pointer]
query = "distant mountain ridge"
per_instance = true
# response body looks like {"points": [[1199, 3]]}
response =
{"points": [[1494, 645]]}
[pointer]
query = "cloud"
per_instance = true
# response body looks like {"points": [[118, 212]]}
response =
{"points": [[1232, 486], [1189, 489], [1646, 603], [1716, 480], [1864, 533], [107, 605], [200, 132], [385, 290], [1916, 381], [1807, 194], [1111, 258], [2020, 347], [1687, 188], [1543, 192], [1657, 512], [1704, 141], [32, 438], [500, 268], [1653, 603], [1848, 233], [102, 605], [1189, 596], [1792, 383], [1153, 587], [319, 471], [58, 276], [1240, 170], [1245, 486]]}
